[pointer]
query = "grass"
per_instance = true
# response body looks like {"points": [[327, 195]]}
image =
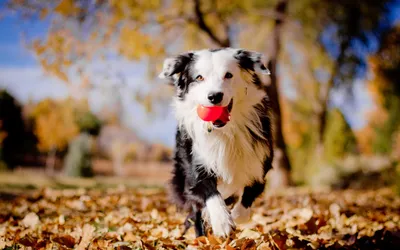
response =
{"points": [[30, 180]]}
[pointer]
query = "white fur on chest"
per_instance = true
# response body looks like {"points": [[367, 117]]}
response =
{"points": [[231, 152], [231, 157]]}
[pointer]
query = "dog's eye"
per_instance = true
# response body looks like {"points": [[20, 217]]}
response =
{"points": [[228, 75], [199, 78]]}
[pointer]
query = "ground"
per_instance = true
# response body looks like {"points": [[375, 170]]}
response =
{"points": [[127, 217]]}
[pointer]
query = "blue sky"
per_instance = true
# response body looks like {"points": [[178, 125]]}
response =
{"points": [[23, 77]]}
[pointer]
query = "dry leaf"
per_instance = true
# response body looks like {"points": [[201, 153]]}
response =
{"points": [[114, 219], [30, 220], [87, 235], [250, 234], [65, 240], [264, 246], [28, 240]]}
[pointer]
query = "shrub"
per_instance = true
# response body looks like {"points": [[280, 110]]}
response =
{"points": [[339, 139]]}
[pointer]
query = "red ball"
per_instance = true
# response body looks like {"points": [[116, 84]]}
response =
{"points": [[210, 114]]}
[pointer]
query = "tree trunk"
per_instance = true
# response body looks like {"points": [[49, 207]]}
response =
{"points": [[51, 161], [280, 175], [322, 115], [118, 157], [281, 172]]}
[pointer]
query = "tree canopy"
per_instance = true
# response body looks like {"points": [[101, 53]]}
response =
{"points": [[333, 36]]}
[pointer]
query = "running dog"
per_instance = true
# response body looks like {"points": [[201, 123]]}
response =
{"points": [[224, 162]]}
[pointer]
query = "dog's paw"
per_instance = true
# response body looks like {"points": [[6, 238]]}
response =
{"points": [[241, 214], [220, 219], [223, 227]]}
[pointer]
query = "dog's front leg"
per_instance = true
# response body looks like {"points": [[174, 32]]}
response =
{"points": [[194, 219], [220, 219], [242, 210]]}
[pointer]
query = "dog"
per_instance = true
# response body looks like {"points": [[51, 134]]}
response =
{"points": [[227, 164]]}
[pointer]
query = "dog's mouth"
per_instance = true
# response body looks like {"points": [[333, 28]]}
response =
{"points": [[222, 122]]}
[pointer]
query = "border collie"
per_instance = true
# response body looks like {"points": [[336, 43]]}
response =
{"points": [[220, 163]]}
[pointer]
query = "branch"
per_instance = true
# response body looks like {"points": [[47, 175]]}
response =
{"points": [[273, 14], [204, 27]]}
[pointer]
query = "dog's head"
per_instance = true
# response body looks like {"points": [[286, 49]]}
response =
{"points": [[226, 77]]}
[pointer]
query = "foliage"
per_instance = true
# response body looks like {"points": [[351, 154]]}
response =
{"points": [[385, 133], [331, 34], [384, 121], [339, 139], [143, 218], [349, 23], [58, 122], [78, 159], [54, 124], [143, 152], [15, 139], [88, 122], [300, 135], [144, 31], [149, 29], [300, 109], [325, 47]]}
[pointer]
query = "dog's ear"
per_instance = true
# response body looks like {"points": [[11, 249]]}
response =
{"points": [[174, 66], [253, 61]]}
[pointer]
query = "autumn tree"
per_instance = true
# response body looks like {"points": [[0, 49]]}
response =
{"points": [[301, 59], [342, 31], [385, 90], [87, 122], [146, 31], [55, 126], [58, 122], [327, 59], [78, 160], [354, 25]]}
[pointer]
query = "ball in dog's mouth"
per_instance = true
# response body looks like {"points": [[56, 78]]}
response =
{"points": [[218, 116], [225, 117]]}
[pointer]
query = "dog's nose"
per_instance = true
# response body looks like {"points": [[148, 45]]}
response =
{"points": [[215, 97]]}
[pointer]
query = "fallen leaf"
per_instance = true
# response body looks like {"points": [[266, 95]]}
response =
{"points": [[30, 220], [249, 244], [28, 240], [250, 234], [65, 240], [87, 235], [214, 240], [264, 246]]}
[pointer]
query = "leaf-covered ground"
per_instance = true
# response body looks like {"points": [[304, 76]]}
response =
{"points": [[142, 218]]}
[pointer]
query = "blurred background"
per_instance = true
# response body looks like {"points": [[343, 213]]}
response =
{"points": [[79, 94]]}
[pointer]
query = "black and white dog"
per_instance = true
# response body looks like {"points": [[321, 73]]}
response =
{"points": [[213, 170]]}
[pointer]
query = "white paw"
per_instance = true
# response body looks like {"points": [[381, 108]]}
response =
{"points": [[220, 219], [241, 214]]}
